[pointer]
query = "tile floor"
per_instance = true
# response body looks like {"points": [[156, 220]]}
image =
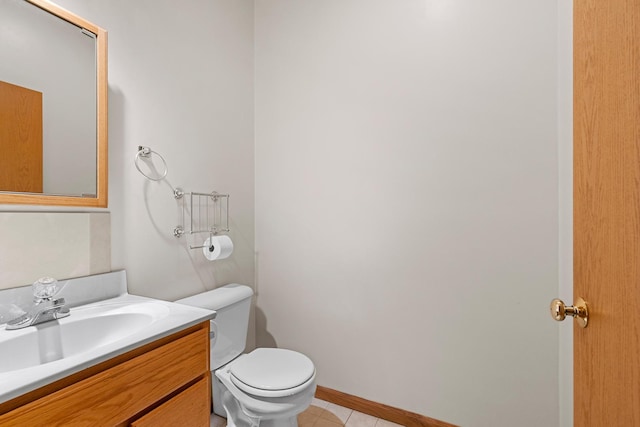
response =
{"points": [[325, 414]]}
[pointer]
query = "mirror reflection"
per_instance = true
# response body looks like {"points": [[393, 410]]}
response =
{"points": [[47, 103]]}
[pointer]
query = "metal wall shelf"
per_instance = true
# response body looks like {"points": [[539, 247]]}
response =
{"points": [[202, 213]]}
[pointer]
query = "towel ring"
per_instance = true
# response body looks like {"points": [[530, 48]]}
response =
{"points": [[145, 153]]}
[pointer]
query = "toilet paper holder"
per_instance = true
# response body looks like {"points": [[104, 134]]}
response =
{"points": [[210, 247], [202, 213], [202, 246]]}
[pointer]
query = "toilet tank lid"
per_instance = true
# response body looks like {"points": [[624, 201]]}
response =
{"points": [[219, 298]]}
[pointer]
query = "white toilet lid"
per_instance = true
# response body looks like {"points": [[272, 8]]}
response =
{"points": [[272, 372]]}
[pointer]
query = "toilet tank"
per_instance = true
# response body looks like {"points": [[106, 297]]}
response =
{"points": [[232, 304]]}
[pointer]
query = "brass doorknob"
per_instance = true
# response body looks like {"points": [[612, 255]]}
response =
{"points": [[580, 311]]}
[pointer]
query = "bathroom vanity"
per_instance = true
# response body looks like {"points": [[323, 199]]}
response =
{"points": [[150, 386], [147, 363]]}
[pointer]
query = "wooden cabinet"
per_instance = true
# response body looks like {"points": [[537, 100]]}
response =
{"points": [[163, 381]]}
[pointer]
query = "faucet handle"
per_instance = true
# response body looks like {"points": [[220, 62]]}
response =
{"points": [[44, 289]]}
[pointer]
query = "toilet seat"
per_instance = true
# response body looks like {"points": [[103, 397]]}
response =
{"points": [[272, 372]]}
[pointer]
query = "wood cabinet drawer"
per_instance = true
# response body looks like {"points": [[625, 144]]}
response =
{"points": [[115, 395], [190, 408]]}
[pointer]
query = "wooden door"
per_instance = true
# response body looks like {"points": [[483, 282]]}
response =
{"points": [[20, 139], [607, 211]]}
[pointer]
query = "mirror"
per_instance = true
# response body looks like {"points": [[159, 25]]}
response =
{"points": [[53, 106]]}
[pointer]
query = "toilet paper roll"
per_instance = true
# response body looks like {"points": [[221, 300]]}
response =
{"points": [[217, 247]]}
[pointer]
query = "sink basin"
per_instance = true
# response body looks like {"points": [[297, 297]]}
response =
{"points": [[86, 329], [105, 322]]}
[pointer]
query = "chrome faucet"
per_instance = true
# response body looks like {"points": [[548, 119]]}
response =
{"points": [[43, 312], [45, 307]]}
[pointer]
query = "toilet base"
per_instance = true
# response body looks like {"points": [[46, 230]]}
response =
{"points": [[252, 412], [241, 419], [217, 390]]}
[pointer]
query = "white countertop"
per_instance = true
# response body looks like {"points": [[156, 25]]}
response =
{"points": [[167, 319]]}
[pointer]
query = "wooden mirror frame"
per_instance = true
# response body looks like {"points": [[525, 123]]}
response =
{"points": [[101, 199]]}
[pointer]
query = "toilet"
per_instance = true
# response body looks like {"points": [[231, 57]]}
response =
{"points": [[268, 387]]}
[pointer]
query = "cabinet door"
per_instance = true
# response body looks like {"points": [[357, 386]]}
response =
{"points": [[20, 139], [190, 408]]}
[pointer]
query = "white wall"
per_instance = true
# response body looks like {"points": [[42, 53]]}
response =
{"points": [[56, 244], [407, 201], [181, 82], [565, 184]]}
